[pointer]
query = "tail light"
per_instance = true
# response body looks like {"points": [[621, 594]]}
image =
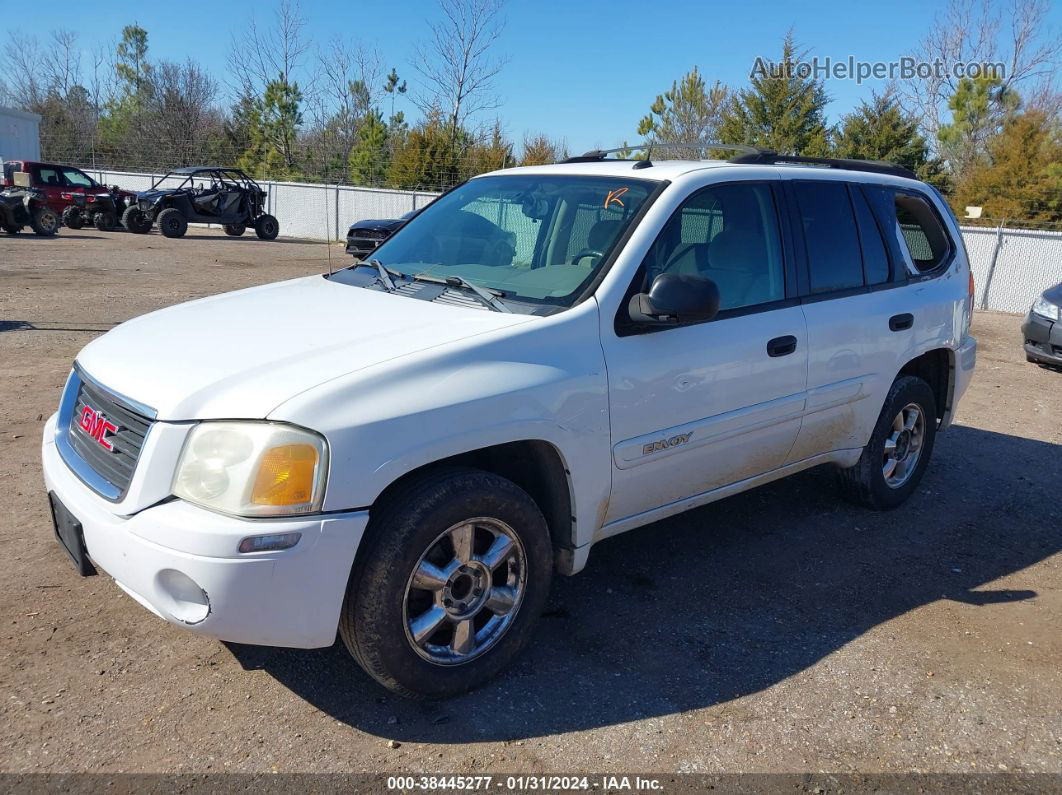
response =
{"points": [[972, 289]]}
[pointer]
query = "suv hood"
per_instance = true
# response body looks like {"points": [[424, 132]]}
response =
{"points": [[241, 354]]}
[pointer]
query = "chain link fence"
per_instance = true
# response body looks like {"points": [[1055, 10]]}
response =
{"points": [[1011, 267]]}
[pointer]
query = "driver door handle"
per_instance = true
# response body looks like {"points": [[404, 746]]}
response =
{"points": [[782, 346]]}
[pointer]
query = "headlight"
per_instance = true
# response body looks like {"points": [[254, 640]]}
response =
{"points": [[252, 468], [1041, 306]]}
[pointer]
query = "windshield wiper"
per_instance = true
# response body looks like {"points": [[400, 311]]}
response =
{"points": [[385, 275], [487, 296]]}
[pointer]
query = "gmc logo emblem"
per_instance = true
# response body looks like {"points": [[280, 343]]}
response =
{"points": [[97, 426]]}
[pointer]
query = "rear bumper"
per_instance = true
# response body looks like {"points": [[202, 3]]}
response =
{"points": [[965, 362], [285, 598], [1043, 339]]}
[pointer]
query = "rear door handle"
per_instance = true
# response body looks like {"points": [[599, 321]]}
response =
{"points": [[782, 346], [901, 322]]}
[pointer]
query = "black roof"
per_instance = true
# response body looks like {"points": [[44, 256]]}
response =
{"points": [[202, 169]]}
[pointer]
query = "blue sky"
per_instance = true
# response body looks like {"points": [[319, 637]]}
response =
{"points": [[585, 71]]}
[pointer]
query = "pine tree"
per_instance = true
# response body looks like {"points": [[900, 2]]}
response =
{"points": [[782, 110], [879, 130], [689, 112], [979, 108], [274, 125], [368, 160]]}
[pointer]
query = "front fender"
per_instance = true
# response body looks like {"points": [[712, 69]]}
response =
{"points": [[542, 381]]}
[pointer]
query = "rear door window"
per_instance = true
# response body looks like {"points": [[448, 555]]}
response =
{"points": [[48, 176], [835, 260]]}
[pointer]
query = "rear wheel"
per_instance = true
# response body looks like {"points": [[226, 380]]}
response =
{"points": [[453, 573], [235, 230], [895, 458], [172, 223], [134, 220], [44, 221], [72, 217], [105, 221], [266, 227]]}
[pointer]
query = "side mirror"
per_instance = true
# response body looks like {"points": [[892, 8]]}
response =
{"points": [[674, 299]]}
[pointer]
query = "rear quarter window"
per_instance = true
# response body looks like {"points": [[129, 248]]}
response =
{"points": [[921, 233]]}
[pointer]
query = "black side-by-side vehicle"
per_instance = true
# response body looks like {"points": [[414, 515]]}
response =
{"points": [[204, 195]]}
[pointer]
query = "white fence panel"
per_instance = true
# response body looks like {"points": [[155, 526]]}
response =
{"points": [[1026, 261]]}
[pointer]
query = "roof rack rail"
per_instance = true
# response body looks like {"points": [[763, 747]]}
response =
{"points": [[748, 155], [595, 155], [768, 158]]}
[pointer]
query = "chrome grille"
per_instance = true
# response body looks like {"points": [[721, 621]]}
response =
{"points": [[103, 457]]}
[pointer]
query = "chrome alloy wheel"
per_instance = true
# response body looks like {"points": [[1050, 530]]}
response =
{"points": [[903, 445], [465, 591]]}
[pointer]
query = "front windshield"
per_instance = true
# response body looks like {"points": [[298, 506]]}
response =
{"points": [[536, 238], [77, 179]]}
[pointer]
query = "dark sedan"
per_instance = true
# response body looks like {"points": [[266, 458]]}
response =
{"points": [[364, 236], [1043, 328]]}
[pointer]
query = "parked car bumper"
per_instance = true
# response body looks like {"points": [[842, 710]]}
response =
{"points": [[198, 581], [1043, 339], [361, 247]]}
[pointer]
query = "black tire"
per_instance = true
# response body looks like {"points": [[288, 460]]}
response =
{"points": [[402, 529], [172, 223], [266, 227], [106, 221], [12, 230], [865, 483], [44, 221], [134, 220], [72, 217], [235, 230]]}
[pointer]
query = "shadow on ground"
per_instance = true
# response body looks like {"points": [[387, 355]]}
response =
{"points": [[728, 599]]}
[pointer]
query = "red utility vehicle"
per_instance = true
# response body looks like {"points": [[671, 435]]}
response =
{"points": [[61, 186]]}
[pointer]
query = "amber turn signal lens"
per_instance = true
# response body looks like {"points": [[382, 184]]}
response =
{"points": [[286, 476]]}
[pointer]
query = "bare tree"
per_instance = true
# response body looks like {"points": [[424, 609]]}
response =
{"points": [[260, 56], [456, 65], [972, 32], [181, 112]]}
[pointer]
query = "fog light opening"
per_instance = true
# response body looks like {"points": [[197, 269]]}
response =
{"points": [[185, 600], [269, 543]]}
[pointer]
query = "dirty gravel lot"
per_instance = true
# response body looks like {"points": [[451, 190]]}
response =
{"points": [[778, 630]]}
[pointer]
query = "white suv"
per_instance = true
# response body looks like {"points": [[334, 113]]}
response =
{"points": [[403, 451]]}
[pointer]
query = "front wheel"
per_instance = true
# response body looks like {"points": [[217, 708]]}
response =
{"points": [[172, 223], [135, 220], [266, 227], [44, 222], [895, 458], [453, 573]]}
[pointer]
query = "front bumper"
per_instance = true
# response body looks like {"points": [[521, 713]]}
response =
{"points": [[361, 247], [1043, 339], [288, 598]]}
